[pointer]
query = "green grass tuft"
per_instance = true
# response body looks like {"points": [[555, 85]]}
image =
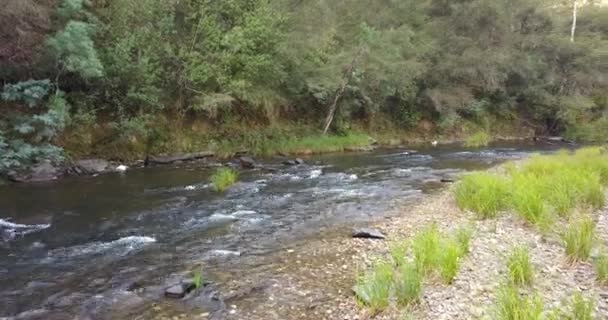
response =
{"points": [[519, 267], [448, 263], [579, 238], [511, 305], [373, 288], [426, 248], [408, 284], [436, 253], [398, 252], [223, 178], [463, 237], [198, 280], [478, 139], [483, 193], [580, 308], [601, 268]]}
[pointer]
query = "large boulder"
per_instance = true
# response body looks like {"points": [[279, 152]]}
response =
{"points": [[44, 171], [90, 166]]}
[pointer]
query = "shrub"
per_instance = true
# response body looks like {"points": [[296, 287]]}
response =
{"points": [[223, 178], [483, 193], [513, 306], [373, 288], [478, 139], [408, 284], [579, 238], [519, 268], [601, 268]]}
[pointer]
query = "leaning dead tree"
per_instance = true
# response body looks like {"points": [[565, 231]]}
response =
{"points": [[348, 74]]}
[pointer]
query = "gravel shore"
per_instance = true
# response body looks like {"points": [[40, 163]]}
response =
{"points": [[314, 280]]}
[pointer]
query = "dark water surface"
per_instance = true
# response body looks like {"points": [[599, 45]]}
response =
{"points": [[79, 242]]}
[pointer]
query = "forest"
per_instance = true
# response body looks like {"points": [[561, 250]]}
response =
{"points": [[122, 79]]}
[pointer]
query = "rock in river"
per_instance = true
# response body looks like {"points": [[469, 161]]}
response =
{"points": [[368, 233], [90, 166], [179, 291], [247, 162], [44, 171]]}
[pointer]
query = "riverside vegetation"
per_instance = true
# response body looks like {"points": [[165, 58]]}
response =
{"points": [[563, 193], [126, 78]]}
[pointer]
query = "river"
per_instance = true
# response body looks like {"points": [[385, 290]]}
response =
{"points": [[82, 246]]}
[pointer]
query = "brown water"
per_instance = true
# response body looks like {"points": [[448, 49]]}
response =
{"points": [[84, 246]]}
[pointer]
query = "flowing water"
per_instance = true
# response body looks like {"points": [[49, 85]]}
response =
{"points": [[80, 246]]}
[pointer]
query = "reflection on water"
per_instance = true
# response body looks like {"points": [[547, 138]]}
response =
{"points": [[65, 242]]}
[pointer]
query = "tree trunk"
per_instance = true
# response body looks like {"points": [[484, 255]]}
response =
{"points": [[574, 9], [345, 80]]}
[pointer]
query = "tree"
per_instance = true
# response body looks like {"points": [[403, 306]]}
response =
{"points": [[26, 134]]}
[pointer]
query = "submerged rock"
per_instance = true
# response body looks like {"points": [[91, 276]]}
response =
{"points": [[293, 162], [367, 233]]}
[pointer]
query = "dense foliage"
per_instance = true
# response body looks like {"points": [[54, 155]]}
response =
{"points": [[129, 63]]}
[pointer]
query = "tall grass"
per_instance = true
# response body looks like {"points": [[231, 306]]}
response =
{"points": [[374, 287], [519, 267], [478, 139], [223, 178], [579, 238], [540, 189], [483, 193], [511, 305]]}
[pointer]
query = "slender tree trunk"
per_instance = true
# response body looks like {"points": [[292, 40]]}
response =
{"points": [[574, 9], [345, 80]]}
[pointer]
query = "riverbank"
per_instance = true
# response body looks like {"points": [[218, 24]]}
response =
{"points": [[88, 154], [317, 277]]}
